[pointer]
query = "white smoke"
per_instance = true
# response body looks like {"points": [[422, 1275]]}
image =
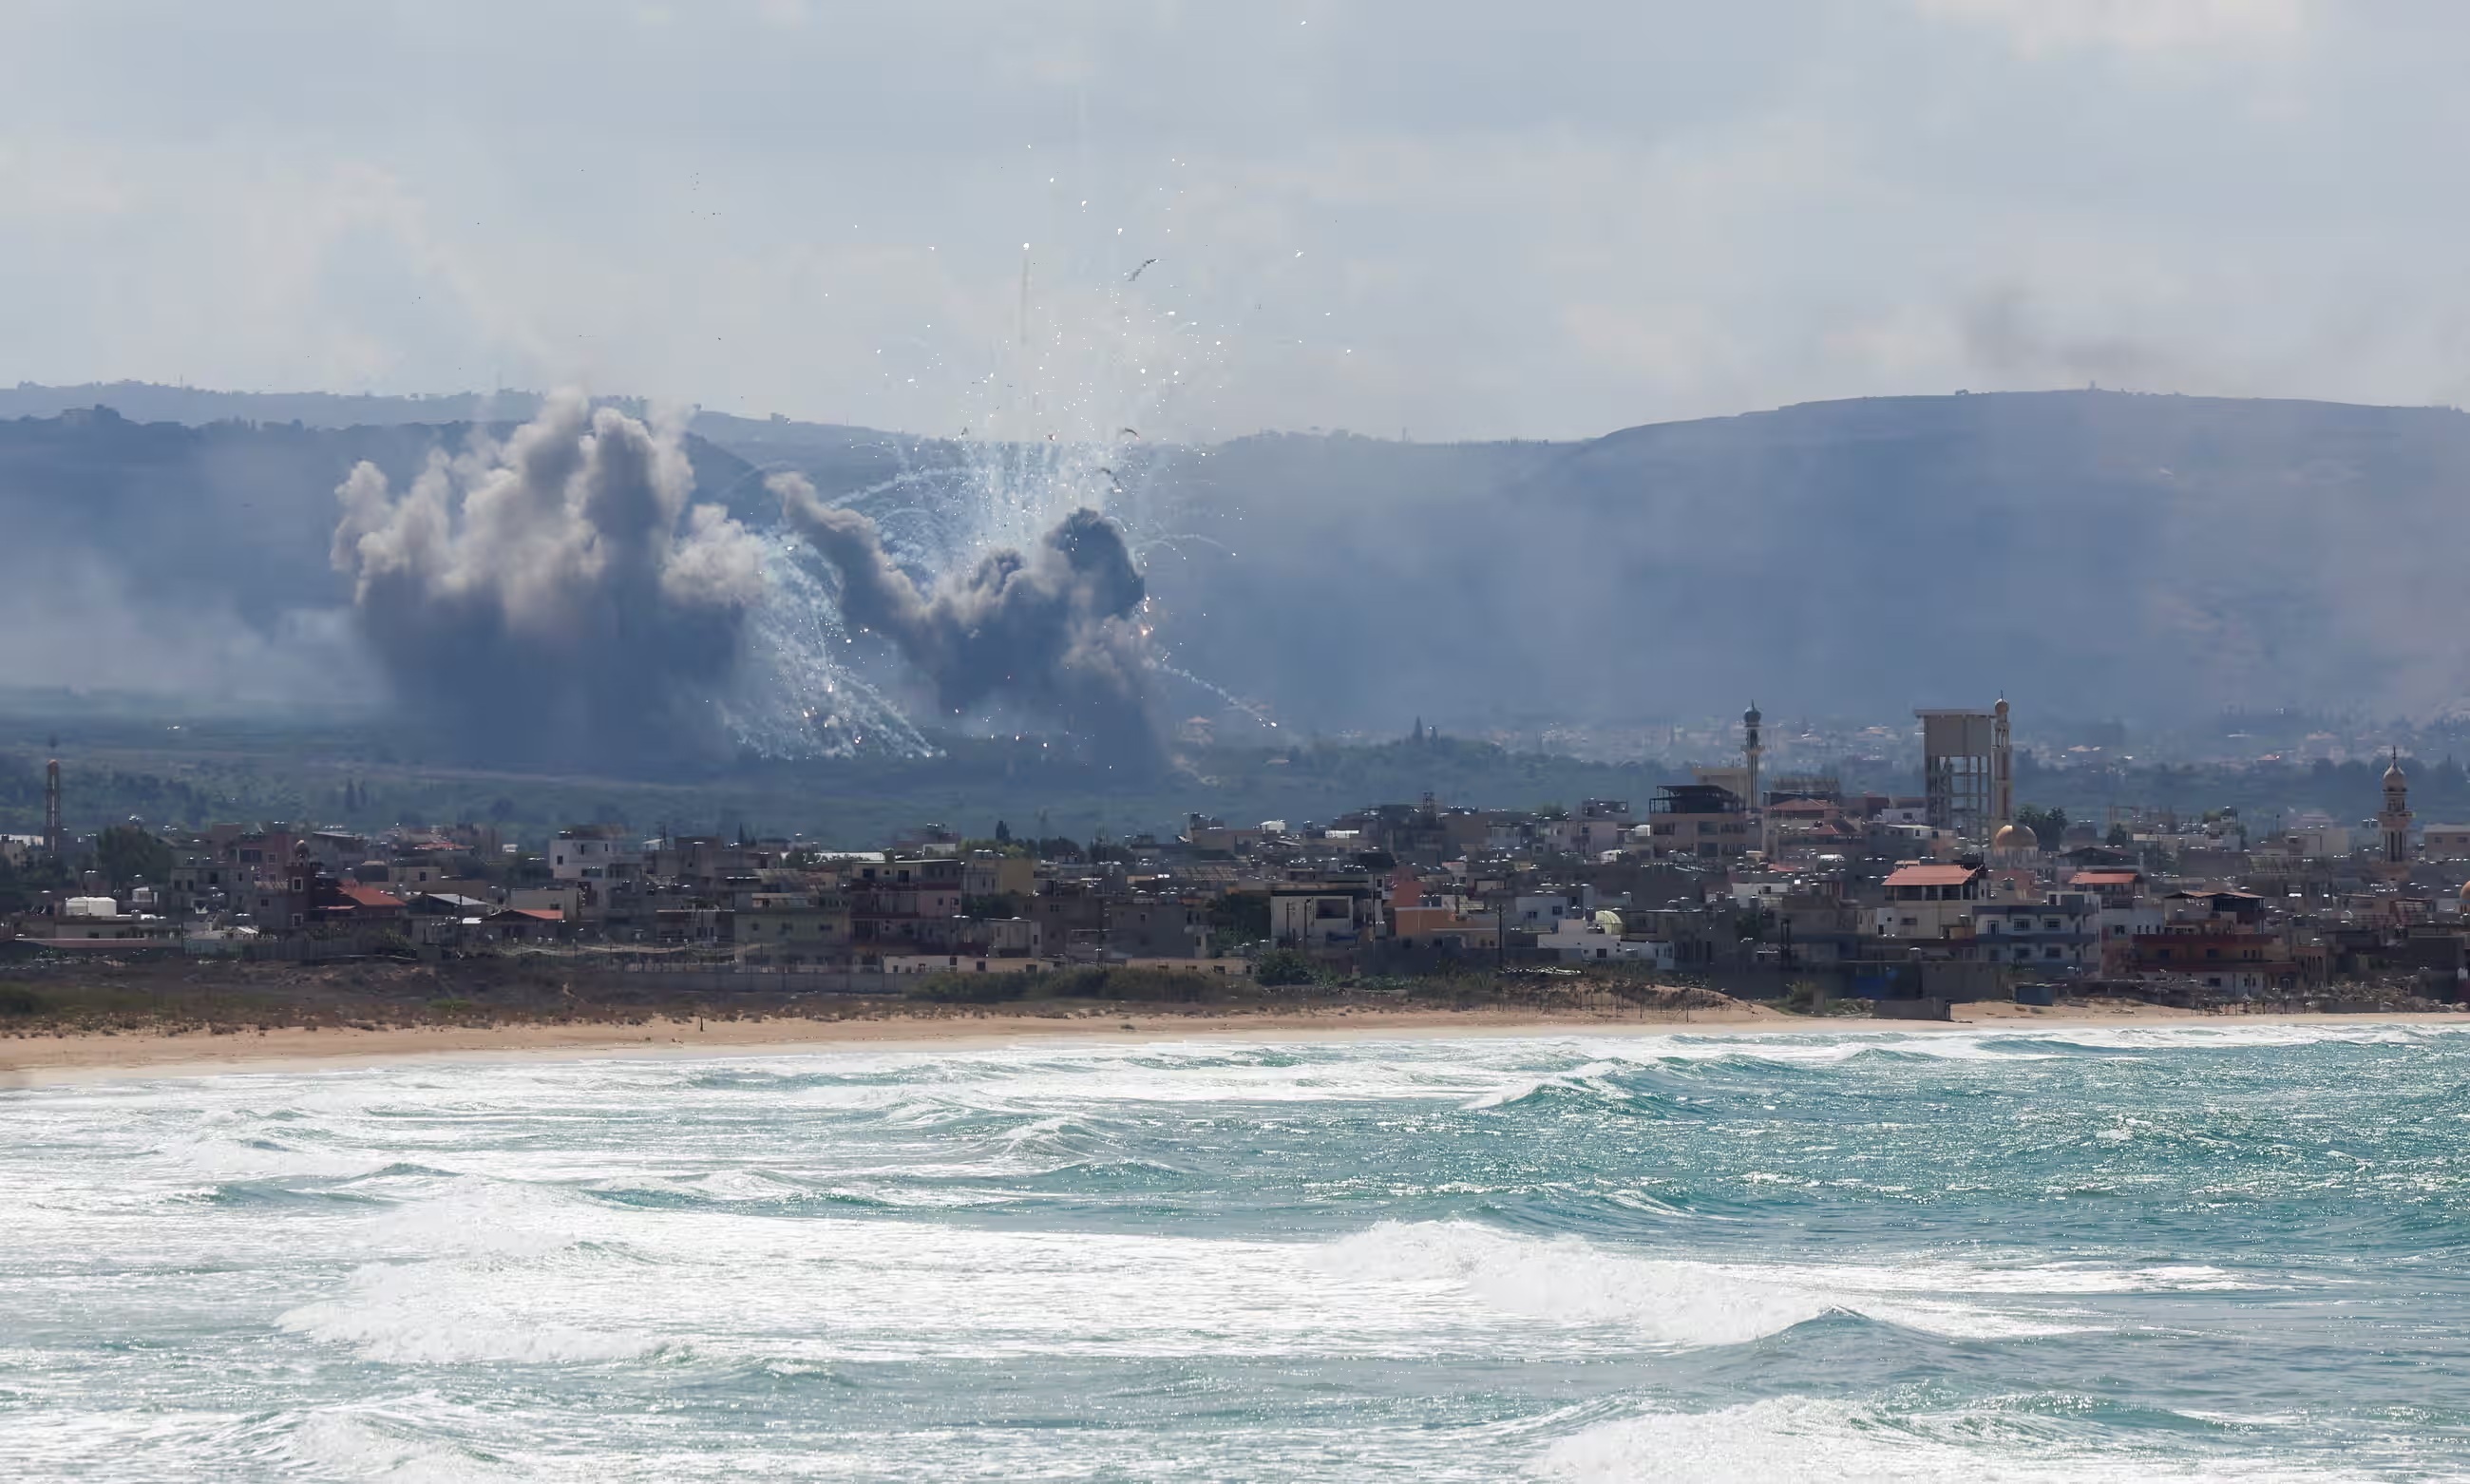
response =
{"points": [[555, 596]]}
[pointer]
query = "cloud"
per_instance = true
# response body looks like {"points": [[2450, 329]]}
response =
{"points": [[2040, 27]]}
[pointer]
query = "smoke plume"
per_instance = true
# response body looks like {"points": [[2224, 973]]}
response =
{"points": [[552, 596], [1053, 629]]}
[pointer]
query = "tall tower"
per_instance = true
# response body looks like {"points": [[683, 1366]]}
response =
{"points": [[2002, 766], [54, 837], [1752, 750], [2395, 821]]}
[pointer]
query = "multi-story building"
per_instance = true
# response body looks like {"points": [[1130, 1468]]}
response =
{"points": [[2060, 932], [1697, 822], [890, 900], [595, 852], [1928, 901]]}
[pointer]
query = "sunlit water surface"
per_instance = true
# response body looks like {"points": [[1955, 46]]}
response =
{"points": [[2231, 1253]]}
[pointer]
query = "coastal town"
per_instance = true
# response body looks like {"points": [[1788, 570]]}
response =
{"points": [[1764, 884]]}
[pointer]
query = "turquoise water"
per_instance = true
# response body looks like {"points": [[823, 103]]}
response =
{"points": [[2231, 1253]]}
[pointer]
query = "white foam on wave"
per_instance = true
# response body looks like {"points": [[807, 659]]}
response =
{"points": [[439, 1314], [2021, 1041], [1566, 1280], [1807, 1438], [469, 1214], [1585, 1078], [488, 1270], [1672, 1302], [218, 1157], [350, 1444]]}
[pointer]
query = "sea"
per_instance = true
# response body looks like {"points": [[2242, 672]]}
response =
{"points": [[2225, 1251]]}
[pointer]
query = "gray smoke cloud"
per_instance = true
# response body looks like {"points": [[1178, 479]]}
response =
{"points": [[1054, 629], [553, 596]]}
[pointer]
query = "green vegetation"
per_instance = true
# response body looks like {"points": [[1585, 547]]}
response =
{"points": [[1094, 981], [2049, 826], [1280, 967], [370, 774], [125, 854]]}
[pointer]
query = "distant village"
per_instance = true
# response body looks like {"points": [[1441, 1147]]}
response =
{"points": [[1765, 885]]}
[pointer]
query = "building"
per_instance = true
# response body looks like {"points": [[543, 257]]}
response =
{"points": [[2393, 823], [595, 852], [1968, 770], [1156, 927], [793, 927], [1323, 913], [1928, 901], [891, 902], [2062, 932], [2445, 842], [1600, 939], [1697, 822]]}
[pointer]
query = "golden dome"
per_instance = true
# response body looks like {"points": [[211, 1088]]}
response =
{"points": [[2014, 837]]}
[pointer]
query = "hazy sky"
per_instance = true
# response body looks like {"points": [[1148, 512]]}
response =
{"points": [[1454, 219]]}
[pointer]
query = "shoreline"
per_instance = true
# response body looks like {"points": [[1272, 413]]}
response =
{"points": [[40, 1060]]}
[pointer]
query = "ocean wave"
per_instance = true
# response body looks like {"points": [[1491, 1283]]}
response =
{"points": [[358, 1445], [443, 1313], [1803, 1437], [1593, 1079], [222, 1158], [1668, 1302]]}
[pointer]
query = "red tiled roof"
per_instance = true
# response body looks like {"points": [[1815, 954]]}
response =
{"points": [[363, 896], [1931, 875], [2105, 878]]}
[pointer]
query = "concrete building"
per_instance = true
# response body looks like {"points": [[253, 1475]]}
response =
{"points": [[1156, 927], [1697, 822], [2060, 932], [1967, 771], [595, 852], [2445, 842], [2393, 825], [1928, 902], [793, 927], [1323, 913]]}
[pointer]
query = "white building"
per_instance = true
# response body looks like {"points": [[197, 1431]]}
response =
{"points": [[1926, 901], [595, 852]]}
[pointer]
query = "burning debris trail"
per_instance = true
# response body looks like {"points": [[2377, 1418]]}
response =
{"points": [[553, 596], [1052, 629]]}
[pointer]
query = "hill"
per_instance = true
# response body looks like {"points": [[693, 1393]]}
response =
{"points": [[2090, 553]]}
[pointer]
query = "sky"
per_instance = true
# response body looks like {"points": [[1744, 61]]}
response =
{"points": [[1436, 219]]}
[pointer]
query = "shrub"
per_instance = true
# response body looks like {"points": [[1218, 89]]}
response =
{"points": [[1282, 967]]}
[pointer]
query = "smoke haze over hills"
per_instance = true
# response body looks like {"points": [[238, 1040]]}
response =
{"points": [[2094, 553]]}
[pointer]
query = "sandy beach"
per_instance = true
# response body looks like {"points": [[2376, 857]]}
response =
{"points": [[45, 1060]]}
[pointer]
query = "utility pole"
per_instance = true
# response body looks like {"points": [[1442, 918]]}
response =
{"points": [[54, 837]]}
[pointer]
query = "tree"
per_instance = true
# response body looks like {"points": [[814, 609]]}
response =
{"points": [[2048, 825], [2119, 839], [22, 886], [125, 854], [1281, 966], [1003, 833]]}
